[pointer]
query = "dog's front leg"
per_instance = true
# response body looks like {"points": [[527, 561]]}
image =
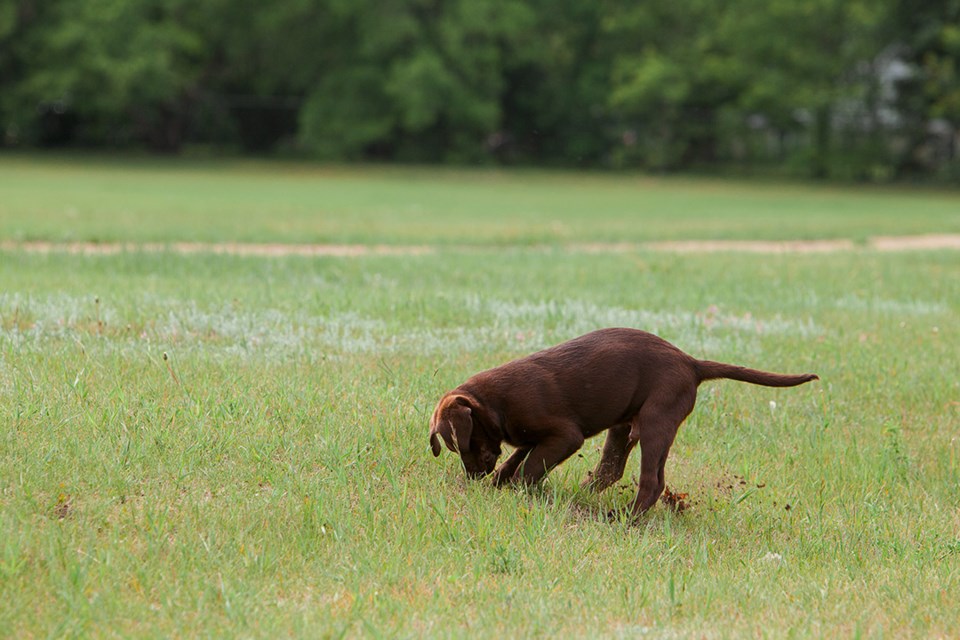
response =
{"points": [[505, 473], [548, 453]]}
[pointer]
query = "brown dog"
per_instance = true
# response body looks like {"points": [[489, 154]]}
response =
{"points": [[634, 385]]}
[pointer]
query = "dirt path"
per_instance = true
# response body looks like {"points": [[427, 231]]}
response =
{"points": [[877, 243], [271, 249]]}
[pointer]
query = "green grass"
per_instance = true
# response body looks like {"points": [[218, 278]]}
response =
{"points": [[151, 200], [222, 446]]}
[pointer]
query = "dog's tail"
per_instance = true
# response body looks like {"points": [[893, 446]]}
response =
{"points": [[709, 370]]}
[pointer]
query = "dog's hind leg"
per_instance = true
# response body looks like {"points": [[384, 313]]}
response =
{"points": [[655, 428], [613, 460]]}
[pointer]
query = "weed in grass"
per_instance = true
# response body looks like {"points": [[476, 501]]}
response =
{"points": [[505, 560]]}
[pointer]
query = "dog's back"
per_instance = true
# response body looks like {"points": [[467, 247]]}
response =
{"points": [[599, 379]]}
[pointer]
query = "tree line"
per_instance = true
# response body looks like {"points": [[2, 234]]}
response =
{"points": [[851, 89]]}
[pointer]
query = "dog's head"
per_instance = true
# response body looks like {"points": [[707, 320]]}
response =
{"points": [[455, 422]]}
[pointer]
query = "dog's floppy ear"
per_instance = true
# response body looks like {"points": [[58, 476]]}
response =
{"points": [[435, 425], [461, 417], [452, 421]]}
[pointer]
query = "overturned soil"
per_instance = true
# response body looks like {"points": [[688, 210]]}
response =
{"points": [[677, 501]]}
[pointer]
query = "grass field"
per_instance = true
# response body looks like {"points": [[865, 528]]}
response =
{"points": [[225, 446], [147, 200]]}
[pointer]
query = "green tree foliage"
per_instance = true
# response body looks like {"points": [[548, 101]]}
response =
{"points": [[418, 79], [866, 89], [673, 73], [814, 69], [123, 68], [928, 32]]}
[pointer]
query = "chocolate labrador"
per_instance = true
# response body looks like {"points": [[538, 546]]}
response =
{"points": [[630, 383]]}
